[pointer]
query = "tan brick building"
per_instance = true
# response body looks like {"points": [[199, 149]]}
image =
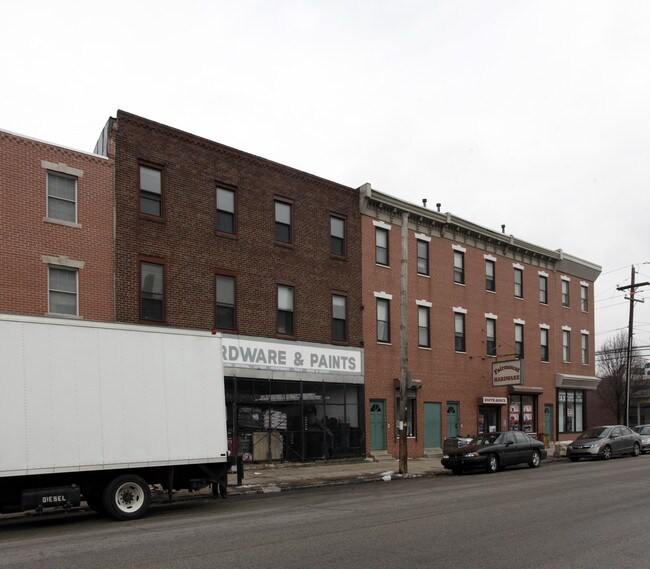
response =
{"points": [[56, 230], [475, 297]]}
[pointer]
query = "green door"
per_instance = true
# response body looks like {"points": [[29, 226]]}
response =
{"points": [[548, 420], [432, 425], [452, 420], [377, 425]]}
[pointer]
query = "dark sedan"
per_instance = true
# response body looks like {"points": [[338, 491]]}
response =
{"points": [[495, 451], [605, 442]]}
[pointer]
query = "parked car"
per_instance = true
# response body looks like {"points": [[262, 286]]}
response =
{"points": [[605, 442], [644, 431], [495, 451]]}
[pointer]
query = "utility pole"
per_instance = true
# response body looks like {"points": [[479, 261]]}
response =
{"points": [[630, 334], [403, 342]]}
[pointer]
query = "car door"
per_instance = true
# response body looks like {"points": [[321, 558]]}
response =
{"points": [[524, 446], [627, 435], [617, 441], [510, 450]]}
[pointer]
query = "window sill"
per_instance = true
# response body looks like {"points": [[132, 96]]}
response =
{"points": [[459, 284], [62, 222], [285, 245], [382, 266], [148, 217], [383, 343], [67, 316], [426, 276], [490, 291], [338, 257], [225, 234], [425, 348]]}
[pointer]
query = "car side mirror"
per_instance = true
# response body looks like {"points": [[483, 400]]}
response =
{"points": [[508, 443]]}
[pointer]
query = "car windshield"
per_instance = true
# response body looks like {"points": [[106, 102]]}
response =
{"points": [[487, 439], [643, 430], [595, 433]]}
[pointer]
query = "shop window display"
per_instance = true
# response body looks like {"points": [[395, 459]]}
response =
{"points": [[522, 416]]}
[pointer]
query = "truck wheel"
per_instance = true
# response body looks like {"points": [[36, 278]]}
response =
{"points": [[127, 497]]}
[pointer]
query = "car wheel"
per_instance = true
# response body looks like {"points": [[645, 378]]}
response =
{"points": [[607, 452], [535, 459], [636, 449], [574, 459], [492, 464], [457, 471]]}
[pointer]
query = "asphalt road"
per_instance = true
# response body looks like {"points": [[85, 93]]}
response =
{"points": [[584, 515]]}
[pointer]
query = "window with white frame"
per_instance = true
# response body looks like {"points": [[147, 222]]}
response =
{"points": [[566, 345], [543, 344], [383, 320], [585, 348], [423, 257], [459, 267], [543, 289], [491, 336], [565, 293], [459, 331], [519, 341], [337, 236], [584, 298], [570, 410], [519, 282], [61, 197], [381, 246], [490, 281], [424, 336], [283, 222], [62, 291]]}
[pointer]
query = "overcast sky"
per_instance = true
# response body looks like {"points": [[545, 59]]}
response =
{"points": [[531, 114]]}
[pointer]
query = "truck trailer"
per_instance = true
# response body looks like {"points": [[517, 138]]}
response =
{"points": [[102, 412]]}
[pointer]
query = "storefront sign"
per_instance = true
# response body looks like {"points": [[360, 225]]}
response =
{"points": [[494, 400], [294, 356], [508, 373]]}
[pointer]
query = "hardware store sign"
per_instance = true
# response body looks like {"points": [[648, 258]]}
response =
{"points": [[508, 373], [257, 354]]}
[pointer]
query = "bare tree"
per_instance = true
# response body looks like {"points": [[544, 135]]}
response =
{"points": [[611, 362]]}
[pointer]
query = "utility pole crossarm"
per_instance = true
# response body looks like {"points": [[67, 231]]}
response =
{"points": [[632, 286]]}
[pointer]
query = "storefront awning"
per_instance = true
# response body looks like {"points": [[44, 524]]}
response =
{"points": [[586, 382]]}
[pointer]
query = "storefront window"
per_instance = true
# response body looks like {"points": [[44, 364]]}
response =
{"points": [[570, 410], [293, 420], [523, 415]]}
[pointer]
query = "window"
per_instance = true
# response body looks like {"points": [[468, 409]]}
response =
{"points": [[570, 410], [423, 257], [459, 331], [459, 267], [543, 289], [519, 341], [584, 298], [411, 421], [226, 302], [62, 291], [285, 324], [151, 291], [424, 339], [226, 221], [62, 197], [585, 348], [383, 320], [283, 219], [337, 236], [519, 283], [491, 336], [150, 191], [566, 345], [543, 344], [490, 282], [523, 416], [381, 246], [339, 318], [565, 293]]}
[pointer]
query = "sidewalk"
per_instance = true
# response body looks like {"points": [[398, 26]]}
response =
{"points": [[263, 478]]}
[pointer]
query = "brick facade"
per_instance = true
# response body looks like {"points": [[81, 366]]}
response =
{"points": [[461, 378], [185, 239], [32, 241]]}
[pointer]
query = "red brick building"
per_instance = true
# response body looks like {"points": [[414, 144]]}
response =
{"points": [[56, 230], [211, 237], [474, 298]]}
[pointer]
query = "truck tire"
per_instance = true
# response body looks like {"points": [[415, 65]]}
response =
{"points": [[127, 497]]}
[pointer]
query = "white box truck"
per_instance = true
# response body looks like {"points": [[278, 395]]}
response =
{"points": [[101, 412]]}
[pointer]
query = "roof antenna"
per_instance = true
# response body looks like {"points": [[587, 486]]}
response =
{"points": [[424, 202], [503, 228], [438, 206]]}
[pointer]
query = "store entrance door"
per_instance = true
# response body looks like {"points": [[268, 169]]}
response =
{"points": [[377, 425], [452, 420], [548, 420], [488, 419], [432, 425]]}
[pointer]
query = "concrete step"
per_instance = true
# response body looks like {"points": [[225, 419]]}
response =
{"points": [[381, 456], [433, 453]]}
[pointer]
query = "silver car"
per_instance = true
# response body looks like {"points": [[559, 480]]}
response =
{"points": [[605, 442], [644, 431]]}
